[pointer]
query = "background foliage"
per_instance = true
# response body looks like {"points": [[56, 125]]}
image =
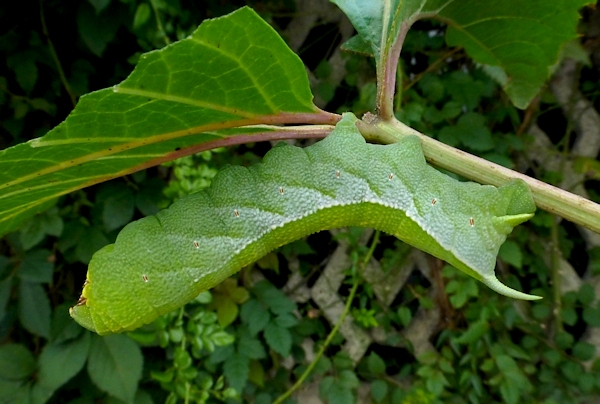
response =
{"points": [[420, 331]]}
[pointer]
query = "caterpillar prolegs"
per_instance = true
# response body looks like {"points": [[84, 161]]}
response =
{"points": [[161, 262]]}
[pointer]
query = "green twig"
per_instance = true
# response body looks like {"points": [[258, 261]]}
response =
{"points": [[432, 67], [159, 25], [552, 199], [369, 253], [335, 329], [332, 334], [387, 64], [179, 322], [59, 68], [399, 88]]}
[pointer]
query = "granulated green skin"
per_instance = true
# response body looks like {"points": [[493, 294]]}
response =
{"points": [[161, 262]]}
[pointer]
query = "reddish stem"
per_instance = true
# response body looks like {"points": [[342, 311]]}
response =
{"points": [[387, 77], [213, 144]]}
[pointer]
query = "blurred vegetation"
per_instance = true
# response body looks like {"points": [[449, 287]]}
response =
{"points": [[246, 340]]}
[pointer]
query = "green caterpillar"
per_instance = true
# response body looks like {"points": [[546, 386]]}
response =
{"points": [[161, 262]]}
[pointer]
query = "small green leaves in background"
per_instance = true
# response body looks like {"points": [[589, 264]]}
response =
{"points": [[227, 296], [513, 382], [266, 322], [142, 15], [375, 364], [17, 364], [255, 315], [190, 174], [31, 283], [404, 315], [591, 305], [189, 335], [34, 269], [379, 389], [37, 266], [376, 367], [434, 371], [339, 389], [118, 204], [114, 364], [269, 261], [460, 288], [365, 317], [34, 308], [280, 317], [62, 360], [511, 253], [471, 131], [97, 27], [278, 336], [45, 224]]}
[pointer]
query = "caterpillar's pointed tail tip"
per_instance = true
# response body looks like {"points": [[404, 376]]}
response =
{"points": [[515, 220], [501, 288]]}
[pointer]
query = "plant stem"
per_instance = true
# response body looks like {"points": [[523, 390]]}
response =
{"points": [[332, 334], [159, 25], [552, 199], [386, 75], [369, 253], [283, 133], [179, 321], [59, 68], [433, 67], [399, 87], [335, 329]]}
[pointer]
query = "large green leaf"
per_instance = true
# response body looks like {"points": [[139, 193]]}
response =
{"points": [[233, 71], [523, 39]]}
